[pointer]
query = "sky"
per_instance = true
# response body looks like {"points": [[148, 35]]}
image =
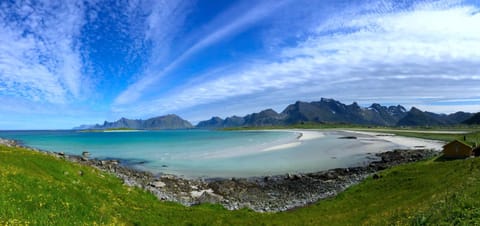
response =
{"points": [[67, 63]]}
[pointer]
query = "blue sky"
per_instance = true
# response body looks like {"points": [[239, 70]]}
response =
{"points": [[66, 63]]}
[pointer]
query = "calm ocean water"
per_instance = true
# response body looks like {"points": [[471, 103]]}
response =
{"points": [[201, 153]]}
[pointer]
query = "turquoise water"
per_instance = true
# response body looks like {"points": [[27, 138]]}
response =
{"points": [[198, 153]]}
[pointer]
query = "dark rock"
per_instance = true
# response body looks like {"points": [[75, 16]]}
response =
{"points": [[209, 197]]}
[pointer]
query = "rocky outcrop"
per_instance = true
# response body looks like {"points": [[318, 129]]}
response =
{"points": [[9, 143]]}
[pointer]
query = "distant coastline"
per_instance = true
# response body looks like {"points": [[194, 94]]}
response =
{"points": [[111, 130]]}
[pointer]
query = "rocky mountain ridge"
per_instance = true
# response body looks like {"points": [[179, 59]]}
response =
{"points": [[333, 111], [323, 111], [162, 122]]}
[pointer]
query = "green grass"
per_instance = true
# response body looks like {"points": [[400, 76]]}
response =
{"points": [[41, 189]]}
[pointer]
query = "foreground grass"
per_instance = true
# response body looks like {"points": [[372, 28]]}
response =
{"points": [[40, 189]]}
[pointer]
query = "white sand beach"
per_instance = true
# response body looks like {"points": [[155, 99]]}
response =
{"points": [[372, 138], [407, 142]]}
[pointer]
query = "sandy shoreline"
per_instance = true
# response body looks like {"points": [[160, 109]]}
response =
{"points": [[366, 137], [406, 142]]}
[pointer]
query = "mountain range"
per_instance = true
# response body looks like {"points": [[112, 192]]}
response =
{"points": [[332, 111], [156, 123], [323, 111]]}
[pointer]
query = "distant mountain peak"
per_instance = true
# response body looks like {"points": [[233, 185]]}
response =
{"points": [[414, 109], [170, 121]]}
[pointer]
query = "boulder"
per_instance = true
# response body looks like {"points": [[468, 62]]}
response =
{"points": [[209, 197], [158, 184]]}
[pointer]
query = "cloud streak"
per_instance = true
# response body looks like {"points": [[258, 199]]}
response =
{"points": [[423, 50], [259, 11]]}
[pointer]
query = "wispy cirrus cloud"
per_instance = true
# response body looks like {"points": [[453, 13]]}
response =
{"points": [[219, 30], [427, 49], [39, 55]]}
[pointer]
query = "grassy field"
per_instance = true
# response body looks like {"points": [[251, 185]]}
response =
{"points": [[40, 189]]}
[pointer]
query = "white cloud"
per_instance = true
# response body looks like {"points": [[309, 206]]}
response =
{"points": [[39, 59], [428, 50], [259, 11]]}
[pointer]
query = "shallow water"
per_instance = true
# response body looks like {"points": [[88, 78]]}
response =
{"points": [[201, 153]]}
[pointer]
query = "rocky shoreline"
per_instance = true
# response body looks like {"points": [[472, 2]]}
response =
{"points": [[261, 194]]}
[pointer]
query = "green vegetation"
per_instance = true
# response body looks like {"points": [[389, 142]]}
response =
{"points": [[41, 189]]}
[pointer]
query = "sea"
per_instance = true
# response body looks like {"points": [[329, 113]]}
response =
{"points": [[211, 153]]}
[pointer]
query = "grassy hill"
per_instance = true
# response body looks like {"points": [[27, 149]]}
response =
{"points": [[41, 189]]}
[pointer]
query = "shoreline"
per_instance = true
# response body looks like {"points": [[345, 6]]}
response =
{"points": [[303, 135], [407, 142], [261, 194]]}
